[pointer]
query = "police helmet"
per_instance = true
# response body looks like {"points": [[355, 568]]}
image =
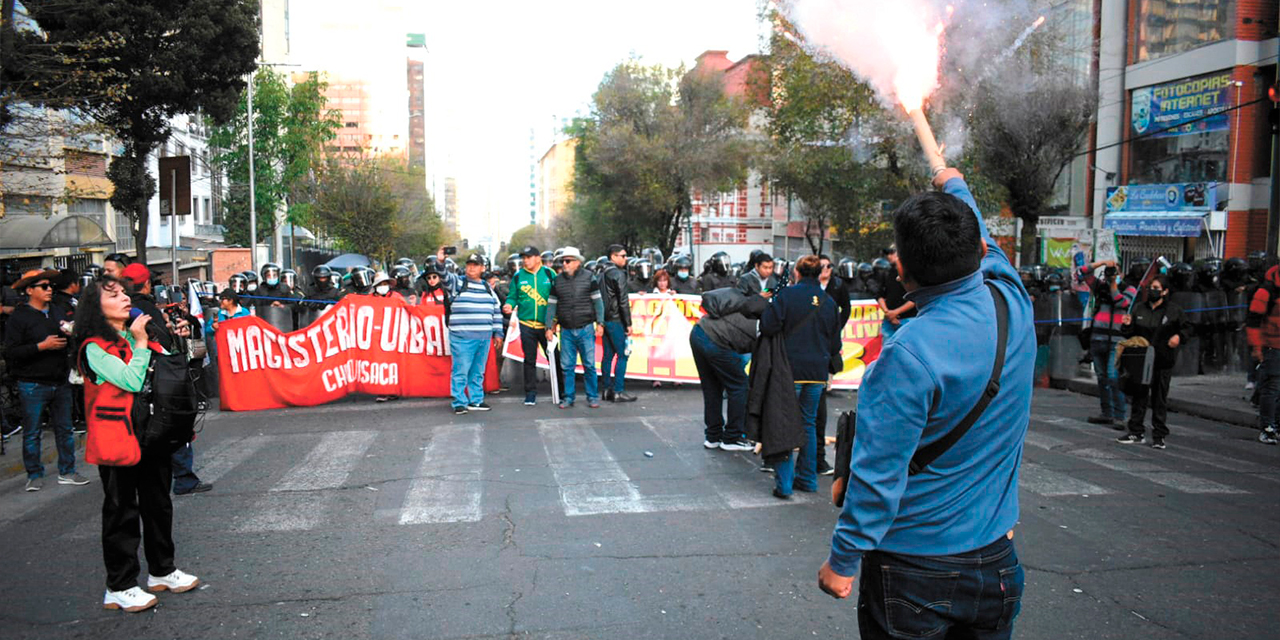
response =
{"points": [[402, 275], [450, 266], [548, 257], [270, 273], [721, 263], [1182, 276], [682, 261], [513, 264], [881, 267], [1237, 268], [362, 278], [847, 268], [290, 278], [93, 271], [865, 270], [1055, 281], [644, 270], [238, 283], [1138, 269], [322, 273]]}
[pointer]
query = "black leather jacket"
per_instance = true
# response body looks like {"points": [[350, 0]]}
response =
{"points": [[614, 288]]}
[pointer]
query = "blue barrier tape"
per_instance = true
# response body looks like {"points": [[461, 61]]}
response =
{"points": [[1082, 320]]}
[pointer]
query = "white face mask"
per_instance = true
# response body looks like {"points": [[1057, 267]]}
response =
{"points": [[383, 289]]}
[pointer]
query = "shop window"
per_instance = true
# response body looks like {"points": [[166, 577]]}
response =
{"points": [[1166, 27], [1181, 130]]}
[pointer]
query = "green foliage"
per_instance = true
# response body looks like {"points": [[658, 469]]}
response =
{"points": [[159, 58], [378, 207], [290, 128], [654, 135]]}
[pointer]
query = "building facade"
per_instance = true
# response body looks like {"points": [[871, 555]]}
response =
{"points": [[1183, 150], [555, 181], [417, 113]]}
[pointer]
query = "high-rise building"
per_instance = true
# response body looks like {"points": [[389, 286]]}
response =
{"points": [[451, 205], [417, 113], [274, 31], [361, 131], [554, 187]]}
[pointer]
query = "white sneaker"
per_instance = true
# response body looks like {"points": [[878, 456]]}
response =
{"points": [[132, 600], [176, 582]]}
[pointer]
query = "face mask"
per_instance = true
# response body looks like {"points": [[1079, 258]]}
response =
{"points": [[683, 275], [1155, 295], [383, 289], [271, 282], [253, 286]]}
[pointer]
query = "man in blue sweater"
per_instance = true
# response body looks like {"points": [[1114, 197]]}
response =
{"points": [[938, 545]]}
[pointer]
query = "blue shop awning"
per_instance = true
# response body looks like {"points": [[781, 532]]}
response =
{"points": [[1173, 224]]}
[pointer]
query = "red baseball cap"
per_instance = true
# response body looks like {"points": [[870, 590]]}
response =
{"points": [[136, 274]]}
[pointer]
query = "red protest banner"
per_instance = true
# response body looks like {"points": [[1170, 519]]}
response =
{"points": [[362, 344], [660, 350]]}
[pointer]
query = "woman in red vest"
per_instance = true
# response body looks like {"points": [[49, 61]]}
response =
{"points": [[135, 483]]}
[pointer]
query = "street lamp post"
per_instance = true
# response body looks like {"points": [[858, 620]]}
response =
{"points": [[253, 195]]}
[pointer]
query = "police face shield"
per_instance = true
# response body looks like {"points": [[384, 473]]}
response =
{"points": [[271, 275], [362, 279], [290, 278], [644, 270], [238, 284]]}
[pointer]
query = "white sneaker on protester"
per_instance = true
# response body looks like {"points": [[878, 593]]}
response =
{"points": [[132, 600], [176, 582]]}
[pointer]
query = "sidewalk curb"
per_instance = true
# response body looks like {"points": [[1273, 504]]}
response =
{"points": [[11, 462], [1225, 415]]}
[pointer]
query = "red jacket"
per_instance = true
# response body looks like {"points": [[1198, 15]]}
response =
{"points": [[1263, 323]]}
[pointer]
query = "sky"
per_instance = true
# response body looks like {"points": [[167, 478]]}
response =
{"points": [[496, 70]]}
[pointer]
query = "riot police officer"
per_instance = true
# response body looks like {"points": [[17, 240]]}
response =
{"points": [[716, 274], [403, 284], [682, 281], [361, 281]]}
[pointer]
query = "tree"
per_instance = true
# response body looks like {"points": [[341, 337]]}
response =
{"points": [[353, 203], [290, 128], [534, 235], [1025, 134], [163, 58], [653, 136], [832, 146], [378, 207]]}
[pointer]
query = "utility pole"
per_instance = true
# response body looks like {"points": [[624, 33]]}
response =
{"points": [[253, 212]]}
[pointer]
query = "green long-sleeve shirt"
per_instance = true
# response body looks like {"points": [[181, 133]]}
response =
{"points": [[528, 295], [129, 376]]}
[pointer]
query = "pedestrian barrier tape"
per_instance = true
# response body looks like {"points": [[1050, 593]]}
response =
{"points": [[660, 348], [362, 344]]}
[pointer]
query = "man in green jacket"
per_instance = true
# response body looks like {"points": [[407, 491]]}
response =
{"points": [[527, 298]]}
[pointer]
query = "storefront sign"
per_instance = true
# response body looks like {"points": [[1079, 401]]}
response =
{"points": [[1155, 224], [1194, 105], [362, 344], [1187, 196]]}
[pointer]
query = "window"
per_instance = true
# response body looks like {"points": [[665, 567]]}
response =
{"points": [[207, 219], [23, 204], [1166, 27], [90, 208], [217, 213], [195, 208], [124, 233], [352, 125]]}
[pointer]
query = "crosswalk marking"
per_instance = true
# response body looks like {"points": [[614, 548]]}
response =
{"points": [[731, 492], [591, 481], [448, 487], [1183, 482], [329, 462], [228, 456], [326, 466], [1044, 441], [1046, 482]]}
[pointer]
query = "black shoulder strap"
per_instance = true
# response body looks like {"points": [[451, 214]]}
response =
{"points": [[926, 455]]}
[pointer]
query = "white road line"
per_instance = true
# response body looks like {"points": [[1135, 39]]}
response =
{"points": [[329, 462], [448, 486], [227, 456], [1044, 441], [1046, 482], [733, 494], [1176, 480], [303, 508], [591, 481]]}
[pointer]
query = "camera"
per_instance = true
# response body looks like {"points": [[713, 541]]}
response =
{"points": [[1110, 272]]}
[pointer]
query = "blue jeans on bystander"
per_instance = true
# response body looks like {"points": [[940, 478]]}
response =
{"points": [[613, 343], [35, 396], [466, 382], [1114, 405], [801, 472], [574, 342]]}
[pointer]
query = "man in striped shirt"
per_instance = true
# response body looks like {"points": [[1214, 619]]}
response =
{"points": [[475, 322]]}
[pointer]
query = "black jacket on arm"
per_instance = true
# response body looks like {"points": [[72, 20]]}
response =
{"points": [[614, 288], [773, 411], [26, 329], [158, 327], [840, 293]]}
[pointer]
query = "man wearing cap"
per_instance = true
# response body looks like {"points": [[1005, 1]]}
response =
{"points": [[527, 298], [576, 305], [475, 323], [35, 346]]}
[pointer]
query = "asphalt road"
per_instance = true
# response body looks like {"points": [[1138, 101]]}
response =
{"points": [[359, 520]]}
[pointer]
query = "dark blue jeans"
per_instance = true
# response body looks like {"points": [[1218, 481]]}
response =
{"points": [[1268, 388], [1114, 405], [572, 343], [723, 373], [801, 472], [34, 397], [184, 477], [968, 595], [613, 343]]}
